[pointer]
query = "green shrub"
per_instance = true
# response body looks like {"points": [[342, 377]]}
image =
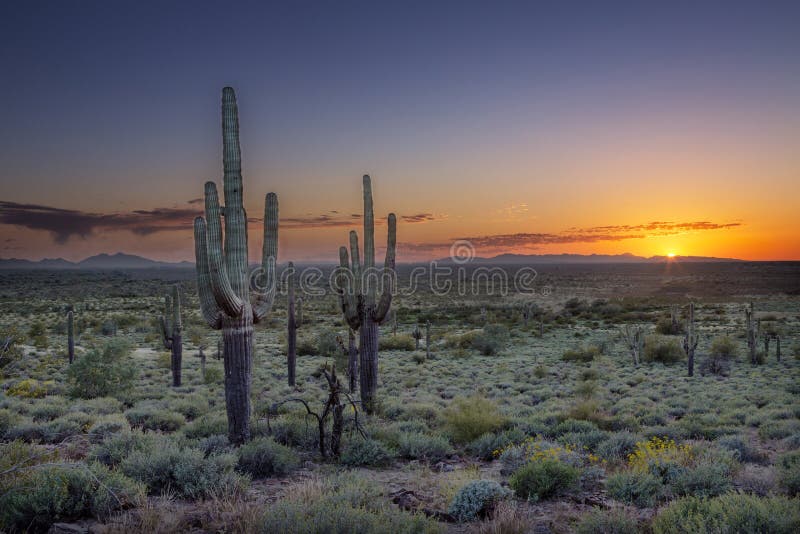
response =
{"points": [[366, 452], [185, 471], [644, 490], [789, 472], [607, 522], [729, 514], [704, 480], [583, 354], [205, 426], [213, 376], [68, 491], [476, 499], [102, 373], [116, 447], [741, 448], [491, 339], [468, 418], [544, 478], [28, 388], [264, 457], [665, 326], [328, 346], [419, 446], [154, 419], [662, 349], [397, 342], [618, 446], [487, 445]]}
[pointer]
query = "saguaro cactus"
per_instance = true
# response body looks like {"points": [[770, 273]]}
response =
{"points": [[361, 309], [352, 360], [222, 273], [171, 333], [70, 335], [291, 353], [417, 335], [428, 340], [752, 333], [634, 339], [690, 340]]}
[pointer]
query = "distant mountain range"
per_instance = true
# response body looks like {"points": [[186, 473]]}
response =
{"points": [[122, 261], [100, 262]]}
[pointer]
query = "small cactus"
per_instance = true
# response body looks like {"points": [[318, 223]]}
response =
{"points": [[291, 327], [70, 335], [171, 333], [690, 340]]}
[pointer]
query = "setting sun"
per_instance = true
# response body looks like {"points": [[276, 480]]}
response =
{"points": [[670, 254]]}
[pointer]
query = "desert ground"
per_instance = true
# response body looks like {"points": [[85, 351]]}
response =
{"points": [[517, 411]]}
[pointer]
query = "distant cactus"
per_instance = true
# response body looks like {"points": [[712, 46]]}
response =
{"points": [[634, 339], [292, 325], [427, 340], [70, 335], [171, 333], [752, 333], [361, 309], [417, 335], [690, 340], [222, 273]]}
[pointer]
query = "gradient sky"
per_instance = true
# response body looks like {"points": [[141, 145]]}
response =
{"points": [[526, 127]]}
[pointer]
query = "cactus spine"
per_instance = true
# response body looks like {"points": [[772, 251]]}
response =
{"points": [[690, 340], [291, 353], [171, 333], [360, 306], [222, 273], [70, 335]]}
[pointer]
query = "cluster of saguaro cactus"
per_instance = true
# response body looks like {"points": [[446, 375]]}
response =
{"points": [[634, 339], [172, 333], [690, 340], [70, 335], [222, 273], [358, 294], [291, 326]]}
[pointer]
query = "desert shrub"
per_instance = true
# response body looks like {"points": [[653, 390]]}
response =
{"points": [[488, 446], [731, 513], [583, 354], [467, 418], [216, 444], [420, 446], [543, 478], [662, 349], [723, 350], [608, 522], [789, 472], [7, 420], [778, 429], [28, 388], [49, 410], [491, 339], [306, 347], [366, 452], [185, 471], [328, 346], [154, 419], [540, 371], [102, 373], [116, 447], [641, 489], [11, 340], [741, 448], [264, 457], [295, 430], [205, 426], [396, 342], [666, 327], [476, 499], [66, 491], [584, 440], [213, 376], [342, 505], [618, 446], [705, 480]]}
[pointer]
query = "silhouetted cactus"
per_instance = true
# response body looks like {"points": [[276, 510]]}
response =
{"points": [[222, 273], [752, 333], [361, 309], [634, 339], [690, 340], [171, 333], [352, 360], [417, 335], [70, 335], [291, 326]]}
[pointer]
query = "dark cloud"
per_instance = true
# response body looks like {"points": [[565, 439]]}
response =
{"points": [[65, 223], [195, 201], [419, 218]]}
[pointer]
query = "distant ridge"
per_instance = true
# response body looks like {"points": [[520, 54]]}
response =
{"points": [[100, 262], [122, 261]]}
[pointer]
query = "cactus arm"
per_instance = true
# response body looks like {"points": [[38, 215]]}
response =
{"points": [[347, 293], [369, 225], [224, 295], [388, 271], [236, 263], [354, 257], [165, 337], [208, 306], [269, 258]]}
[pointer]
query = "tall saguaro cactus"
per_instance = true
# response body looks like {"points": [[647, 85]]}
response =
{"points": [[222, 273], [171, 333], [291, 334], [690, 340], [752, 333], [362, 310]]}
